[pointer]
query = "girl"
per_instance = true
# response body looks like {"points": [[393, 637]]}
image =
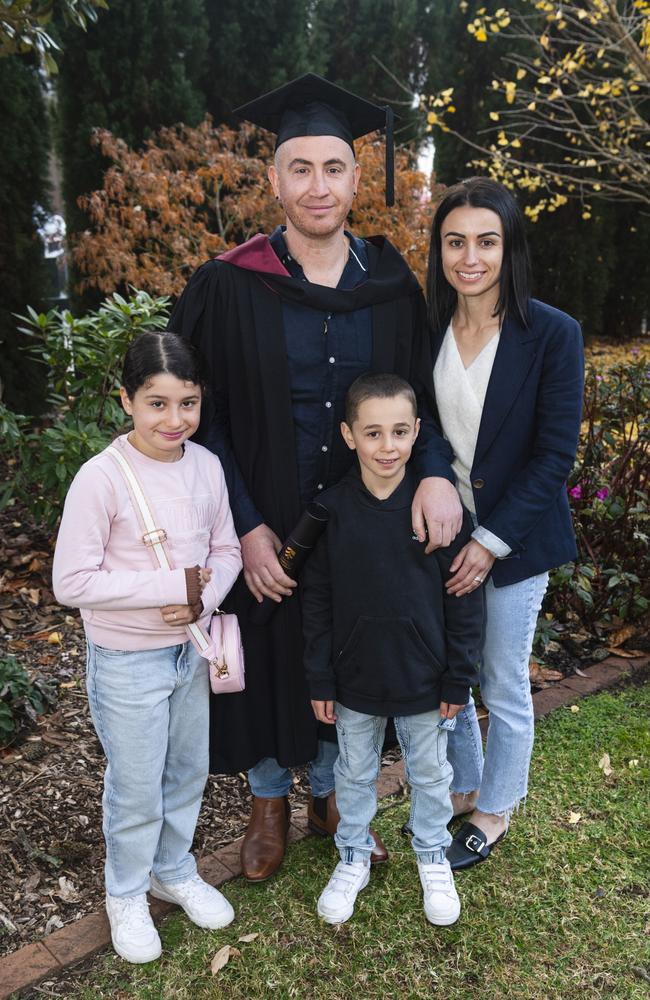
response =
{"points": [[508, 378], [147, 685]]}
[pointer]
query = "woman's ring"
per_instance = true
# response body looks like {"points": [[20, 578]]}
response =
{"points": [[478, 579]]}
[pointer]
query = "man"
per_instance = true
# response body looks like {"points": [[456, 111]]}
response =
{"points": [[285, 324]]}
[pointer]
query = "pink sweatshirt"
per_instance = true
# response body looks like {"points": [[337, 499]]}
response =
{"points": [[102, 566]]}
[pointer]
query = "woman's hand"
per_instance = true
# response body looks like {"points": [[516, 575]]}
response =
{"points": [[470, 568], [176, 615]]}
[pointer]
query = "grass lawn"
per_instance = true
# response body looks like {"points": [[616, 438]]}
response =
{"points": [[560, 912]]}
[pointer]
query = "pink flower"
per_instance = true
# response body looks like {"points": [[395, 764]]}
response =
{"points": [[603, 493], [576, 492]]}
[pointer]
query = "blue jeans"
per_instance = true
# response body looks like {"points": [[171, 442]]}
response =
{"points": [[150, 710], [502, 777], [268, 780], [361, 738]]}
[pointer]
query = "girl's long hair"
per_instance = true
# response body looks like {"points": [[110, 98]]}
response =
{"points": [[515, 280]]}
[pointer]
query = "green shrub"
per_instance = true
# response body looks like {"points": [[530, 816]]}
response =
{"points": [[21, 699], [609, 497], [83, 358]]}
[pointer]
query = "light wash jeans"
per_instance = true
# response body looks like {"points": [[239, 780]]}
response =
{"points": [[268, 780], [150, 710], [502, 777], [361, 738]]}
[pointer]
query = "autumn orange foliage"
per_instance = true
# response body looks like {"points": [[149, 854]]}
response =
{"points": [[192, 193]]}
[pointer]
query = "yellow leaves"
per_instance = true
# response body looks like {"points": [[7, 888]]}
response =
{"points": [[574, 818], [511, 89], [521, 73], [432, 118], [222, 957], [531, 106], [574, 709], [544, 41], [516, 144], [501, 138], [54, 639], [494, 115], [586, 214], [544, 78], [480, 35]]}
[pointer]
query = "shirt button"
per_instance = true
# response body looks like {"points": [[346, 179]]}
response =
{"points": [[320, 486], [328, 404], [478, 484], [324, 448], [332, 360]]}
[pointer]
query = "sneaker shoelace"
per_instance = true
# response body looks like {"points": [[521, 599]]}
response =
{"points": [[134, 911]]}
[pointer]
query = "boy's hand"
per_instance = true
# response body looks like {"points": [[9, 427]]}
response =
{"points": [[436, 506], [324, 711], [447, 711]]}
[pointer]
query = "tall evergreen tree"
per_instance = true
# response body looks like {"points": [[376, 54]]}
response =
{"points": [[254, 48], [138, 68], [23, 184], [355, 39]]}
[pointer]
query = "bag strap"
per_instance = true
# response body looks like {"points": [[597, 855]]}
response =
{"points": [[153, 536]]}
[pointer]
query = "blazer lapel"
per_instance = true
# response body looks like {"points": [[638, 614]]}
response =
{"points": [[514, 357]]}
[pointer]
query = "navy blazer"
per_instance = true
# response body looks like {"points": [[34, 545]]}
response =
{"points": [[527, 442]]}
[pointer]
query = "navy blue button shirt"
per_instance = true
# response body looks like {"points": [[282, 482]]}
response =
{"points": [[326, 352]]}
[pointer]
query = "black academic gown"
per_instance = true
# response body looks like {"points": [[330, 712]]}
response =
{"points": [[231, 310]]}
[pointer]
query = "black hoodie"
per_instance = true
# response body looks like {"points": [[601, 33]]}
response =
{"points": [[382, 636]]}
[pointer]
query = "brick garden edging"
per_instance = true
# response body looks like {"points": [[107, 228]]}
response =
{"points": [[85, 937]]}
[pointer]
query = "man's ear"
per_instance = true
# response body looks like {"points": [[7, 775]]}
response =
{"points": [[272, 175], [126, 402], [347, 436]]}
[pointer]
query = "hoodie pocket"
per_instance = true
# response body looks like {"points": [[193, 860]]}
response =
{"points": [[386, 659]]}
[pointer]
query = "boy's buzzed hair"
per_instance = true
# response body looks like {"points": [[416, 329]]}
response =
{"points": [[383, 386]]}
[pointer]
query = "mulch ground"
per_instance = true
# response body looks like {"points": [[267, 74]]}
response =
{"points": [[51, 847]]}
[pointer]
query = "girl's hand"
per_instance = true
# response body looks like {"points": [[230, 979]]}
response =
{"points": [[324, 711], [205, 574], [470, 568], [176, 615], [448, 711]]}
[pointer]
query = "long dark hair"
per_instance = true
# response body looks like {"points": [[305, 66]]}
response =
{"points": [[514, 284], [154, 353]]}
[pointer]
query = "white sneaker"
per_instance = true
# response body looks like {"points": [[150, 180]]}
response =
{"points": [[441, 902], [132, 930], [336, 903], [204, 905]]}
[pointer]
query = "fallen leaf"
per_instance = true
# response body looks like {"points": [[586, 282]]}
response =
{"points": [[222, 958], [605, 765], [574, 818], [575, 709], [539, 673], [247, 938], [627, 653], [68, 684], [579, 672], [621, 635], [54, 922], [67, 891], [54, 638], [633, 763]]}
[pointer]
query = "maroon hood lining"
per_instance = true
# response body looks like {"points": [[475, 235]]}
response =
{"points": [[256, 254]]}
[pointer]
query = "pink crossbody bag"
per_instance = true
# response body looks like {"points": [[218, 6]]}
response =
{"points": [[222, 648]]}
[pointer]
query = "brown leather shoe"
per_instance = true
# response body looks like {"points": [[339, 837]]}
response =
{"points": [[323, 819], [265, 840]]}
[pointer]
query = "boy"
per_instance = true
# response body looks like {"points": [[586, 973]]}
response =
{"points": [[384, 639]]}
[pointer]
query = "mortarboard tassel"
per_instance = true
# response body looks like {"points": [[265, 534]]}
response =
{"points": [[390, 158]]}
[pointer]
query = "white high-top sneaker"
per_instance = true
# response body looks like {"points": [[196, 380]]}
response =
{"points": [[132, 930], [441, 902], [204, 905], [336, 903]]}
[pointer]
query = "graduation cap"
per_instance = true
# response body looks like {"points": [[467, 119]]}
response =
{"points": [[311, 105]]}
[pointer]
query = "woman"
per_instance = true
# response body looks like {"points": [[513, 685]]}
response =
{"points": [[508, 377]]}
